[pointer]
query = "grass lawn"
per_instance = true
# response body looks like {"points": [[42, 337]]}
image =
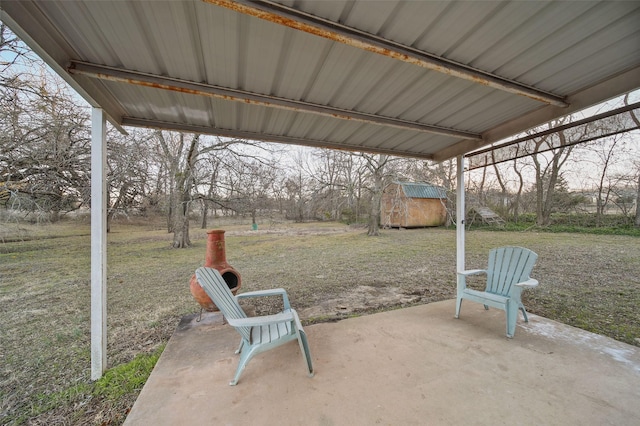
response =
{"points": [[589, 281]]}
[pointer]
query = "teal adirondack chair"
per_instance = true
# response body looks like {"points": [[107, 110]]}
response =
{"points": [[507, 275], [260, 333]]}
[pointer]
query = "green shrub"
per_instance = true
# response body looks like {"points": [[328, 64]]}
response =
{"points": [[585, 223]]}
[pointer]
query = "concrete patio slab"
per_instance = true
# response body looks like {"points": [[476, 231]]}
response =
{"points": [[412, 366]]}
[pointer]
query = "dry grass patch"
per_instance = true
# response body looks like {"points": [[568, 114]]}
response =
{"points": [[331, 271]]}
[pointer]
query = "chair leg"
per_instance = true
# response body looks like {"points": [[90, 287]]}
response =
{"points": [[524, 313], [245, 356], [512, 318], [458, 305], [306, 353], [240, 347]]}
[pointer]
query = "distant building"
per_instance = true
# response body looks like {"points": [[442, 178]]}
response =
{"points": [[413, 205]]}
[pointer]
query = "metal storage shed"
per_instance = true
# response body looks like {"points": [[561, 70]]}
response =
{"points": [[432, 80]]}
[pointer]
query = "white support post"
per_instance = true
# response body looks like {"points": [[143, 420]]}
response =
{"points": [[460, 219], [98, 244]]}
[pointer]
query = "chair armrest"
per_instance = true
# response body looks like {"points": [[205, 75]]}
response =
{"points": [[269, 292], [530, 283], [472, 272], [296, 318], [263, 320]]}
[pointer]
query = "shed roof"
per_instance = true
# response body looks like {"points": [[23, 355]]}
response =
{"points": [[423, 79], [422, 190]]}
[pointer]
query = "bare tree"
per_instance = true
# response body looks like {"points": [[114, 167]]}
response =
{"points": [[376, 166], [354, 184], [510, 180], [636, 222], [45, 146], [248, 181], [607, 155], [179, 155], [45, 141], [296, 198], [129, 172], [636, 120], [195, 162], [16, 64], [516, 204], [297, 188], [637, 219], [549, 157], [338, 179], [212, 169], [441, 174], [611, 159]]}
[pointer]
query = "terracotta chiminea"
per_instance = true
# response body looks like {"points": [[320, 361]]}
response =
{"points": [[215, 257]]}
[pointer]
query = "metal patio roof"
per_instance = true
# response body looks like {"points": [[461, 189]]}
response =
{"points": [[428, 79]]}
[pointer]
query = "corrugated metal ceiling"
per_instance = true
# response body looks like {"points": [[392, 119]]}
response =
{"points": [[424, 79]]}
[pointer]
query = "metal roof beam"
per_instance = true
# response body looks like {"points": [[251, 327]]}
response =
{"points": [[264, 137], [601, 92], [296, 19], [593, 136], [178, 85], [570, 125]]}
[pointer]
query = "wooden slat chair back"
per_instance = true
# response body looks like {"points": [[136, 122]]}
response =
{"points": [[508, 273], [258, 334]]}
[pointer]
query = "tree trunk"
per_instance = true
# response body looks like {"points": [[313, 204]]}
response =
{"points": [[503, 187], [205, 212], [547, 178], [550, 190], [376, 197], [116, 205], [210, 193], [374, 216], [184, 184], [181, 227], [515, 208], [170, 214]]}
